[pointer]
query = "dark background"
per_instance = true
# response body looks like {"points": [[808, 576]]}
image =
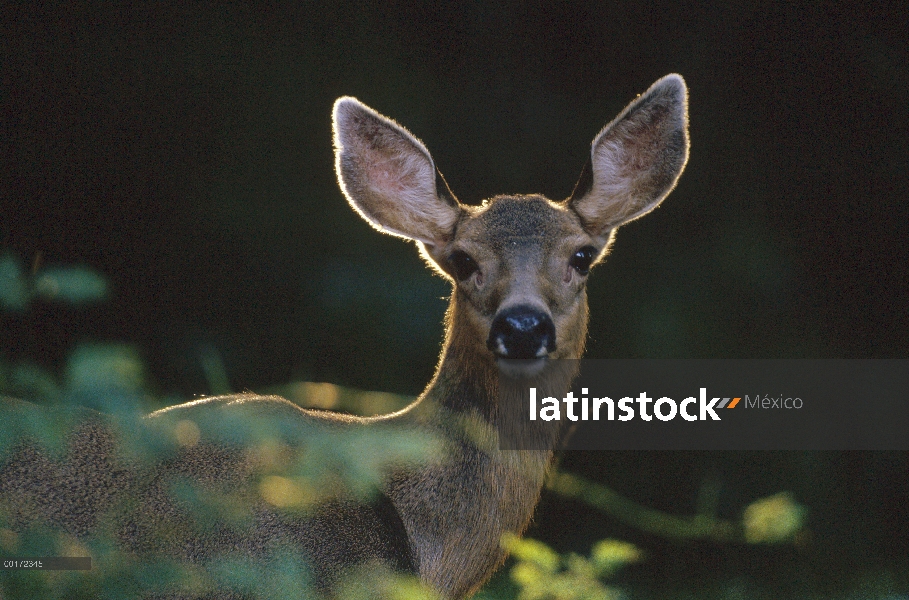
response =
{"points": [[185, 152]]}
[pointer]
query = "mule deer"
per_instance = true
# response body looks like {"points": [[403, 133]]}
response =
{"points": [[518, 266]]}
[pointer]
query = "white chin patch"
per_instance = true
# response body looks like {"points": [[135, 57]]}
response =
{"points": [[521, 368]]}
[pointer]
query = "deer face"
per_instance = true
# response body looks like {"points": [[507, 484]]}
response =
{"points": [[519, 264]]}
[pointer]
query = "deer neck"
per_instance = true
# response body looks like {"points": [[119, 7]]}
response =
{"points": [[456, 511]]}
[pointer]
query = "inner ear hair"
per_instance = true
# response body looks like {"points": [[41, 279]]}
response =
{"points": [[636, 159], [389, 177]]}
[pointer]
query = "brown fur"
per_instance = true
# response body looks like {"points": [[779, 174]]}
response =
{"points": [[445, 519]]}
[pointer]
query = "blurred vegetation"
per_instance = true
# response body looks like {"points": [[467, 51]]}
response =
{"points": [[77, 286], [542, 574]]}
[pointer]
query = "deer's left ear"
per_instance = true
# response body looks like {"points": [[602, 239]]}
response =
{"points": [[388, 176], [635, 160]]}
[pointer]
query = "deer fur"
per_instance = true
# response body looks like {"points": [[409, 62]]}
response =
{"points": [[520, 293]]}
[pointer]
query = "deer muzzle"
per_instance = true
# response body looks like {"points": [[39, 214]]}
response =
{"points": [[522, 332]]}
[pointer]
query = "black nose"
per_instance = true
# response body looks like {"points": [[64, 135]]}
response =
{"points": [[521, 332]]}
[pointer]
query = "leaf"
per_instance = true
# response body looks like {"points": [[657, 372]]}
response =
{"points": [[610, 555], [773, 519], [76, 285]]}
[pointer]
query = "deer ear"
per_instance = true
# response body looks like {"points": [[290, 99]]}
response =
{"points": [[388, 176], [635, 160]]}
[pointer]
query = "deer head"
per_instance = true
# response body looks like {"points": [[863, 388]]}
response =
{"points": [[519, 264]]}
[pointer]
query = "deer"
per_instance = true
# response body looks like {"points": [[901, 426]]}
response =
{"points": [[518, 266]]}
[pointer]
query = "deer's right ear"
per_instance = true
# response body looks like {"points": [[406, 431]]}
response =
{"points": [[388, 176]]}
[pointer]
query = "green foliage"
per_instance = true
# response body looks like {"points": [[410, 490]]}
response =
{"points": [[94, 367], [28, 380], [76, 286], [777, 519], [773, 520], [106, 377], [542, 574], [91, 367]]}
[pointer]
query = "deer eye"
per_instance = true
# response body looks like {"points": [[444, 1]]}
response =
{"points": [[463, 264], [582, 259]]}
